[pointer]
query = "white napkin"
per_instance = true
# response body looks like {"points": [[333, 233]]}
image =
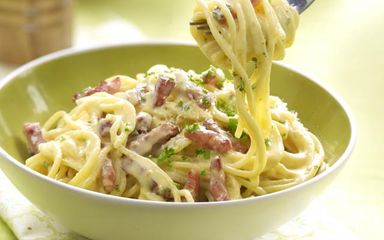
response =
{"points": [[25, 220], [29, 223]]}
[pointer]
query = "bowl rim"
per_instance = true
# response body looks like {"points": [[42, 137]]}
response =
{"points": [[127, 201]]}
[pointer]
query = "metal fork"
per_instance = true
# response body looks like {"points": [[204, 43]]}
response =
{"points": [[300, 6]]}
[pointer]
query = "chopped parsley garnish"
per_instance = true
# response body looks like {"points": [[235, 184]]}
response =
{"points": [[184, 158], [204, 153], [192, 127], [268, 142], [180, 104], [45, 165], [178, 185], [127, 128], [223, 106], [254, 59], [203, 173], [165, 192], [196, 80], [186, 107], [165, 155], [205, 101], [220, 83], [211, 72], [241, 85], [183, 106], [232, 125], [244, 137], [143, 99]]}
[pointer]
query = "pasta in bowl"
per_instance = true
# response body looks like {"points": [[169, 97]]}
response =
{"points": [[172, 135], [39, 89], [169, 135], [223, 145]]}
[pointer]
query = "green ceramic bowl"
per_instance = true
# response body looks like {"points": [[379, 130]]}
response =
{"points": [[36, 90]]}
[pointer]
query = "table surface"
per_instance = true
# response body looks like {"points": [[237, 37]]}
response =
{"points": [[339, 42]]}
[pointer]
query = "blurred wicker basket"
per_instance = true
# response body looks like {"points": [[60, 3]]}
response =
{"points": [[32, 28]]}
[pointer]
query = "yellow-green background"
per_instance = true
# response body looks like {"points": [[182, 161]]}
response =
{"points": [[339, 42]]}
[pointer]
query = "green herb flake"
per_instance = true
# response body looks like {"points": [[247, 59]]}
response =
{"points": [[206, 101], [232, 125], [196, 80], [220, 83], [204, 153], [223, 106], [143, 99], [211, 72], [45, 165], [192, 127], [62, 138], [165, 155], [244, 137], [254, 59], [178, 185], [316, 168], [184, 158], [241, 85], [186, 107], [203, 173], [268, 142], [127, 128], [180, 104]]}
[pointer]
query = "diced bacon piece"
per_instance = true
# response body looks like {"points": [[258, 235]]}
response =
{"points": [[210, 140], [217, 181], [238, 145], [210, 77], [197, 95], [135, 169], [110, 87], [108, 175], [136, 95], [104, 128], [32, 132], [161, 134], [143, 122], [165, 193], [211, 80], [255, 2], [131, 167], [133, 96], [210, 124], [193, 183], [163, 88]]}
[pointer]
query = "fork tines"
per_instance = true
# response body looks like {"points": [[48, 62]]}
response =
{"points": [[201, 25], [198, 22]]}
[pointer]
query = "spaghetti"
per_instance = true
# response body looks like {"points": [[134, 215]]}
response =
{"points": [[172, 135]]}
